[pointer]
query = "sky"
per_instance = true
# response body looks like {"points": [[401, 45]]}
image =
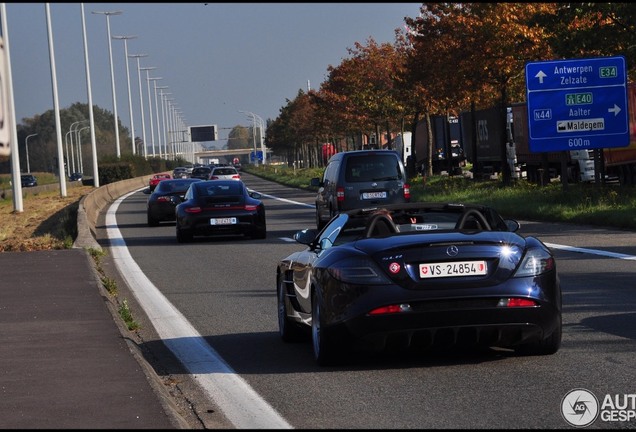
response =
{"points": [[215, 58]]}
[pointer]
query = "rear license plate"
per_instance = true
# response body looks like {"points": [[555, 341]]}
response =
{"points": [[453, 269], [373, 195], [223, 221]]}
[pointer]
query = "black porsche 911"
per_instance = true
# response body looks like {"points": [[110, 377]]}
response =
{"points": [[164, 198], [220, 207], [420, 276]]}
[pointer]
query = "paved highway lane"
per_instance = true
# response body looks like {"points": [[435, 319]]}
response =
{"points": [[225, 289]]}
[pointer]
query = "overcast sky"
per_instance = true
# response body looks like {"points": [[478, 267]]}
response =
{"points": [[215, 58]]}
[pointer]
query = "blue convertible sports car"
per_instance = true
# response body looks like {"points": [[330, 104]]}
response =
{"points": [[420, 276]]}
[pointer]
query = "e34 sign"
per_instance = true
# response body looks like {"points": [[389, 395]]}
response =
{"points": [[5, 129]]}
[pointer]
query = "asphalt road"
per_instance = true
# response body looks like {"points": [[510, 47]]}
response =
{"points": [[225, 290]]}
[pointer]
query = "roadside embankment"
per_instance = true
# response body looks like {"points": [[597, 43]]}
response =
{"points": [[91, 205]]}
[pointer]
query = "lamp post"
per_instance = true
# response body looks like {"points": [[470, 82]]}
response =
{"points": [[143, 124], [112, 75], [72, 156], [163, 121], [26, 144], [80, 161], [141, 102], [164, 109], [90, 103], [152, 132], [157, 115], [132, 124]]}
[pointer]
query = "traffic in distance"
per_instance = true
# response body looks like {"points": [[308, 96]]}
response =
{"points": [[380, 272]]}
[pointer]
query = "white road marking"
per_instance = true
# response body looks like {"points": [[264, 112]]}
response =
{"points": [[237, 400]]}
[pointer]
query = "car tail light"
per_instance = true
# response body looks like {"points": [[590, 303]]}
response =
{"points": [[340, 194], [516, 302], [391, 309], [163, 199], [214, 178], [193, 210], [537, 261], [358, 271], [407, 191], [238, 177], [251, 207]]}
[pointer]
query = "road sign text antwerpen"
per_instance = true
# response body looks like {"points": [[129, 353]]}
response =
{"points": [[577, 104]]}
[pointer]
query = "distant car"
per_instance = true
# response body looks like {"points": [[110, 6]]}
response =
{"points": [[224, 173], [75, 176], [237, 165], [165, 198], [216, 207], [29, 180], [180, 172], [360, 179], [155, 179], [201, 172], [420, 277]]}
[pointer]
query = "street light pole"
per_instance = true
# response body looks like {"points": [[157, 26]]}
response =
{"points": [[132, 124], [90, 103], [26, 144], [152, 127], [157, 115], [141, 101], [163, 122], [80, 159], [112, 75]]}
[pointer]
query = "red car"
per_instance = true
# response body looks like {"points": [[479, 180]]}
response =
{"points": [[154, 181]]}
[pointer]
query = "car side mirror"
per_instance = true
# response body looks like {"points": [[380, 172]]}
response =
{"points": [[255, 195], [147, 191], [305, 236], [315, 182], [512, 225]]}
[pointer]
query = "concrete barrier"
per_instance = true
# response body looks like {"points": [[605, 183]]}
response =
{"points": [[91, 205]]}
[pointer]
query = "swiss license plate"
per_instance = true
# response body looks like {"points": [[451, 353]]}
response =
{"points": [[373, 195], [223, 221], [453, 269]]}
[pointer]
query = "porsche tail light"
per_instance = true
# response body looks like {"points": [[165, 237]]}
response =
{"points": [[163, 199], [193, 210], [251, 207]]}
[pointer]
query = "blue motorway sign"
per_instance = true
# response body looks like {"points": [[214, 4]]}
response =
{"points": [[577, 104], [256, 156]]}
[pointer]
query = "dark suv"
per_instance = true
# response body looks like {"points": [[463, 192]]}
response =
{"points": [[202, 172], [360, 179]]}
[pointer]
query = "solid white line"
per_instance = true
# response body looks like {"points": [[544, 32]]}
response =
{"points": [[592, 251], [236, 399]]}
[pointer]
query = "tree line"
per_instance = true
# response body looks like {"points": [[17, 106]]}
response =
{"points": [[451, 58]]}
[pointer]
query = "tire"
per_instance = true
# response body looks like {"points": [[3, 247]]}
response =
{"points": [[260, 234], [184, 236], [152, 222], [325, 350], [289, 331]]}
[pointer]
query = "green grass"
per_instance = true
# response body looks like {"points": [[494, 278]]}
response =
{"points": [[601, 205]]}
